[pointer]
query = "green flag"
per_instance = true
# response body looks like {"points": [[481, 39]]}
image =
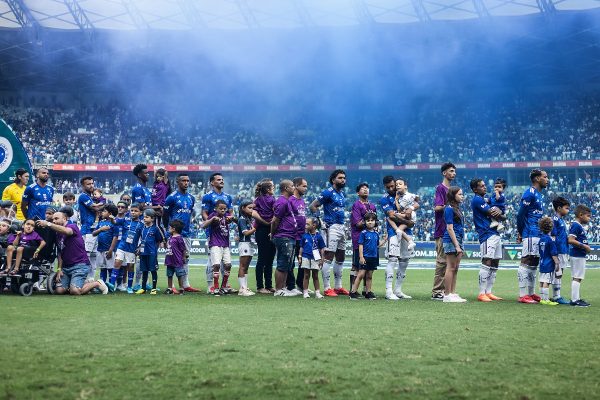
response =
{"points": [[12, 156]]}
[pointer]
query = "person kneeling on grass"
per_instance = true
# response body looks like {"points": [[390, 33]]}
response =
{"points": [[549, 263], [73, 262], [368, 256], [175, 257], [311, 261]]}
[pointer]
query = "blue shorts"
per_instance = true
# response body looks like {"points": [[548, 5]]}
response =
{"points": [[285, 253], [449, 247], [148, 263], [74, 276], [177, 271]]}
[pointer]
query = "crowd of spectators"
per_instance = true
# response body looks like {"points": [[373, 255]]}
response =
{"points": [[520, 131]]}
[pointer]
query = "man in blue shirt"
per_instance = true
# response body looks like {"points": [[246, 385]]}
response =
{"points": [[490, 243], [209, 201], [37, 196], [87, 216], [180, 205], [397, 252], [528, 233], [140, 193], [333, 200]]}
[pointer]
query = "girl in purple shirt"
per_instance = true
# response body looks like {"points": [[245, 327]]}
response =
{"points": [[263, 214], [27, 244]]}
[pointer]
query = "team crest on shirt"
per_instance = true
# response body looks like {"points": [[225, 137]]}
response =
{"points": [[6, 154]]}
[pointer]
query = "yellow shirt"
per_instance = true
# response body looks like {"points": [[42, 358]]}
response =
{"points": [[14, 193]]}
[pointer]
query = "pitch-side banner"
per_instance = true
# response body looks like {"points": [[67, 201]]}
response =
{"points": [[512, 252], [12, 155]]}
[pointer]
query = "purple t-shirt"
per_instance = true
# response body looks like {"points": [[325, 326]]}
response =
{"points": [[27, 239], [299, 210], [175, 252], [359, 209], [160, 191], [287, 227], [263, 205], [72, 248], [441, 192], [219, 232]]}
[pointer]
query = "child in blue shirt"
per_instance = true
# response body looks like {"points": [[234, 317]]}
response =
{"points": [[452, 242], [549, 263], [498, 200], [108, 237], [368, 256], [560, 236], [131, 229], [311, 260], [150, 237], [579, 248]]}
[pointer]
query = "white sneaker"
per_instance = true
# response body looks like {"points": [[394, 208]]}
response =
{"points": [[451, 299], [318, 295], [283, 293], [103, 288], [411, 245], [295, 291], [306, 295], [310, 291], [391, 296], [245, 292], [122, 288], [250, 292], [457, 297], [402, 295]]}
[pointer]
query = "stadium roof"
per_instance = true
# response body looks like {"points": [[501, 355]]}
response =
{"points": [[243, 14]]}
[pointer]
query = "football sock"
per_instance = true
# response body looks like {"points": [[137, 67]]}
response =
{"points": [[338, 267], [575, 290], [326, 273]]}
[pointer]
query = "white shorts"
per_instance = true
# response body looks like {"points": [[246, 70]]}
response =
{"points": [[308, 263], [393, 247], [220, 255], [103, 262], [563, 260], [546, 277], [91, 243], [491, 248], [531, 247], [578, 267], [125, 256], [245, 249], [335, 237], [404, 252]]}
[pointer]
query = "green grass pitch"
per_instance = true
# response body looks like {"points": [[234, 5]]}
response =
{"points": [[200, 347]]}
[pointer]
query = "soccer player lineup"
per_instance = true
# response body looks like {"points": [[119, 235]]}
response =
{"points": [[88, 244]]}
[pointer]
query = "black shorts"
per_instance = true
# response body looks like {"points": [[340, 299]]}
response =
{"points": [[28, 252], [371, 263]]}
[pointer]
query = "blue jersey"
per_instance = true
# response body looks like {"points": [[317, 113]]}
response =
{"points": [[87, 215], [530, 213], [149, 238], [141, 194], [311, 242], [334, 203], [576, 230], [131, 232], [547, 250], [370, 243], [105, 238], [180, 206], [388, 203], [559, 231], [481, 219], [209, 201], [38, 199], [500, 202], [458, 225]]}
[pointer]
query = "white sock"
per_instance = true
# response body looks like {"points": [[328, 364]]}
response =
{"points": [[209, 274], [186, 279], [556, 284], [241, 282], [138, 274], [544, 292], [92, 273], [522, 274], [246, 281], [490, 281], [401, 274], [531, 281], [326, 273], [484, 273], [338, 267], [575, 290], [389, 275]]}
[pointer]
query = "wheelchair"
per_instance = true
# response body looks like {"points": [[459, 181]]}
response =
{"points": [[34, 275]]}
